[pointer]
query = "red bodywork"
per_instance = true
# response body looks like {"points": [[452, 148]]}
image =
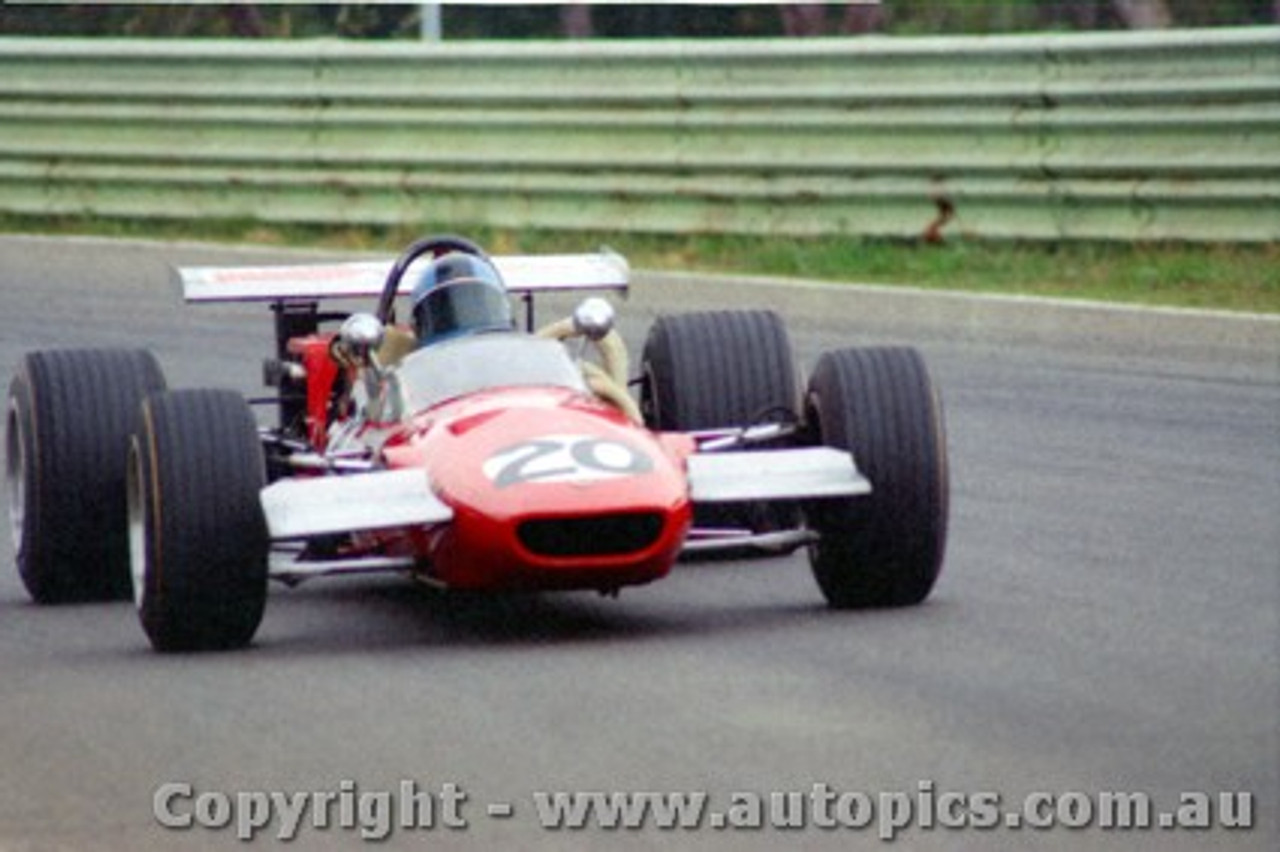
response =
{"points": [[550, 489], [322, 372]]}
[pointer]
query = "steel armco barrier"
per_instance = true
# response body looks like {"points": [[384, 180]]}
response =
{"points": [[1172, 135]]}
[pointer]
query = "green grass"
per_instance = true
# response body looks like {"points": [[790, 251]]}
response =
{"points": [[1238, 277]]}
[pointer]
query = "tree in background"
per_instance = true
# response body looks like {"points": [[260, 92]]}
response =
{"points": [[1144, 14], [814, 19], [624, 20], [575, 20]]}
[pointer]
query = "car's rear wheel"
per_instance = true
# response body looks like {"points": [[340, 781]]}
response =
{"points": [[67, 438], [198, 538], [718, 369], [885, 548]]}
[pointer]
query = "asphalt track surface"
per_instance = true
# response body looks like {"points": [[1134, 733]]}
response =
{"points": [[1107, 619]]}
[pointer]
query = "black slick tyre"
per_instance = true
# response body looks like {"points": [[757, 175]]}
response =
{"points": [[198, 538], [884, 549], [717, 369], [69, 416]]}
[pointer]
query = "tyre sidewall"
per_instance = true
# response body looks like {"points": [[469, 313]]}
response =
{"points": [[20, 432]]}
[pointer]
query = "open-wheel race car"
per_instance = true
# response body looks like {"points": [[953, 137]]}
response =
{"points": [[467, 450]]}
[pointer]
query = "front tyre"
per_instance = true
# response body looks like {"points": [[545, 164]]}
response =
{"points": [[883, 549], [198, 538], [67, 429], [717, 369]]}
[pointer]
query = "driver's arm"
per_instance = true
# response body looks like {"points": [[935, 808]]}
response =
{"points": [[607, 380]]}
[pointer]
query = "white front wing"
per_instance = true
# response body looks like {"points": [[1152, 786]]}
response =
{"points": [[298, 508], [807, 472]]}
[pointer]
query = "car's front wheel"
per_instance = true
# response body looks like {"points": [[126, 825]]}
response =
{"points": [[885, 548], [198, 539]]}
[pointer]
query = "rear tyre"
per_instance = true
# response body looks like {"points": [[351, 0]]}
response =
{"points": [[66, 444], [198, 538], [883, 549], [721, 369]]}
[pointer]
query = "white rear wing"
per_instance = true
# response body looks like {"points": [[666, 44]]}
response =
{"points": [[522, 273]]}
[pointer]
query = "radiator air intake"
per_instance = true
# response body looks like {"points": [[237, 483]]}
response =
{"points": [[596, 535]]}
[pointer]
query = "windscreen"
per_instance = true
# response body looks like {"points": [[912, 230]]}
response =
{"points": [[454, 368]]}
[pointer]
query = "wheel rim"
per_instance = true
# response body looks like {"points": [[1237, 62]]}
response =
{"points": [[137, 517], [16, 476]]}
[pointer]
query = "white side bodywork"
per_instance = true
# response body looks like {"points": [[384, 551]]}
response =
{"points": [[807, 472], [298, 508], [521, 273]]}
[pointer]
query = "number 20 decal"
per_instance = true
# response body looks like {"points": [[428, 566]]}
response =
{"points": [[565, 458]]}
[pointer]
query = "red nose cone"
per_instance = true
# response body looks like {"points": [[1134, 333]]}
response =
{"points": [[552, 491]]}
